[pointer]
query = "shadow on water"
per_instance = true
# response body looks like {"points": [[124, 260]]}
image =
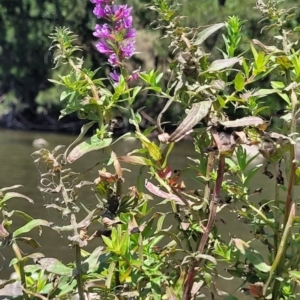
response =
{"points": [[17, 167]]}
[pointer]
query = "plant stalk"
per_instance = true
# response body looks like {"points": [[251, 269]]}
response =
{"points": [[79, 273], [276, 216], [280, 254], [18, 254], [210, 223]]}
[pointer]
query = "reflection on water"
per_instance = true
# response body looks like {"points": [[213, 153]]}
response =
{"points": [[17, 167]]}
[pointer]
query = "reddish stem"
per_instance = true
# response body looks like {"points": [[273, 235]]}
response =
{"points": [[210, 223]]}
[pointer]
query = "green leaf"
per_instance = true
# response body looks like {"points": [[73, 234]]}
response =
{"points": [[170, 234], [259, 63], [251, 173], [64, 95], [277, 85], [10, 195], [295, 274], [83, 131], [135, 160], [66, 288], [254, 52], [257, 260], [110, 273], [152, 148], [204, 34], [239, 82], [21, 214], [221, 64], [93, 260], [53, 265], [198, 111], [30, 225], [246, 68], [29, 241], [264, 92], [285, 97], [91, 144], [107, 241]]}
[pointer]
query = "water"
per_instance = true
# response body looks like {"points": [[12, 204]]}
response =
{"points": [[17, 167]]}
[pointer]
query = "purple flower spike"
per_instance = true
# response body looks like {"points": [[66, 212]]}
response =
{"points": [[116, 36]]}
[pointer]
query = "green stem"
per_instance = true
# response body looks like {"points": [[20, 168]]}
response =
{"points": [[79, 273], [292, 169], [18, 254], [280, 254], [276, 216]]}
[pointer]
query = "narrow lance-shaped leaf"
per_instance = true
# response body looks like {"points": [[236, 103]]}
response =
{"points": [[158, 192], [204, 34], [221, 64], [52, 265], [30, 225], [11, 188], [135, 160], [83, 131], [171, 235], [10, 195], [91, 144], [257, 260], [29, 241], [198, 111], [242, 122], [92, 261], [152, 148]]}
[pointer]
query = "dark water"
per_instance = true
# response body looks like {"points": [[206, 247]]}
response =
{"points": [[17, 167]]}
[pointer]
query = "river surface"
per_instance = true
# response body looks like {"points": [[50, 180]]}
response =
{"points": [[17, 167]]}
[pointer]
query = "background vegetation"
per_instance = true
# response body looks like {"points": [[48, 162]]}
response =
{"points": [[29, 101]]}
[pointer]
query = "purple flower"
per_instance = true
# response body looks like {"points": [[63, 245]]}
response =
{"points": [[103, 31], [121, 12], [127, 49], [103, 48], [131, 33], [113, 60], [114, 76], [125, 23], [99, 11], [134, 75]]}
